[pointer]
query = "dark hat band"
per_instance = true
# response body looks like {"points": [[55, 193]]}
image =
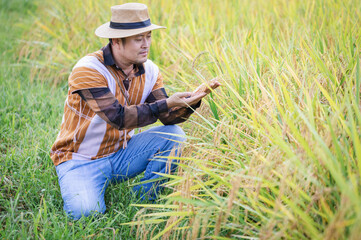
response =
{"points": [[133, 25]]}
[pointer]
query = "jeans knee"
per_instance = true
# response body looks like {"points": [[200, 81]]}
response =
{"points": [[78, 208], [176, 131]]}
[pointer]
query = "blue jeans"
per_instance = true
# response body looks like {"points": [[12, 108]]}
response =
{"points": [[83, 183]]}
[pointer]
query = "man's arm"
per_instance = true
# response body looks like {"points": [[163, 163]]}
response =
{"points": [[104, 103]]}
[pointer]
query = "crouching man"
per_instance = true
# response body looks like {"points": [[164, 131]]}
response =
{"points": [[111, 92]]}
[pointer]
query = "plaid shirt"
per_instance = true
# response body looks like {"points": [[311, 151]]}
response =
{"points": [[104, 106]]}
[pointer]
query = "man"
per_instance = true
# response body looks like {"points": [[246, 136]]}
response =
{"points": [[111, 92]]}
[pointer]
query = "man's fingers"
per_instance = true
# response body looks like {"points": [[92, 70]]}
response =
{"points": [[183, 94], [184, 99], [217, 84], [194, 99]]}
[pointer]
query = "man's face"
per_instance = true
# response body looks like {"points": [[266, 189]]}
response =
{"points": [[135, 48]]}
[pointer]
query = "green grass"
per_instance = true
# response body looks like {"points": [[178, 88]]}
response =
{"points": [[273, 154]]}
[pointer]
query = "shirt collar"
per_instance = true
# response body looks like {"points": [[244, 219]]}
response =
{"points": [[109, 60]]}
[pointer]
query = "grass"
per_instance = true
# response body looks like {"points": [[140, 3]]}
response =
{"points": [[274, 154]]}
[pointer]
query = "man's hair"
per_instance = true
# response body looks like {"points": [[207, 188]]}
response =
{"points": [[123, 41]]}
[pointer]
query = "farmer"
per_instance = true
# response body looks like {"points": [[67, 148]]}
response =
{"points": [[111, 92]]}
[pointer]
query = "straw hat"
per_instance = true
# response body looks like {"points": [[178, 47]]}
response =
{"points": [[127, 20]]}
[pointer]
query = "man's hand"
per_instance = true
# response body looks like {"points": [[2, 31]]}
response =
{"points": [[206, 87], [184, 99]]}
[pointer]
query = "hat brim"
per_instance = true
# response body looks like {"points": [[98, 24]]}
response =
{"points": [[104, 31]]}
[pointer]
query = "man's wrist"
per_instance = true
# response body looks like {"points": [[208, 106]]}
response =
{"points": [[169, 103], [163, 105]]}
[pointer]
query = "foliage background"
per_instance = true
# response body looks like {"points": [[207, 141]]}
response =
{"points": [[275, 153]]}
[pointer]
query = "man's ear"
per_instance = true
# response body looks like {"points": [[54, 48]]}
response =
{"points": [[118, 42]]}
